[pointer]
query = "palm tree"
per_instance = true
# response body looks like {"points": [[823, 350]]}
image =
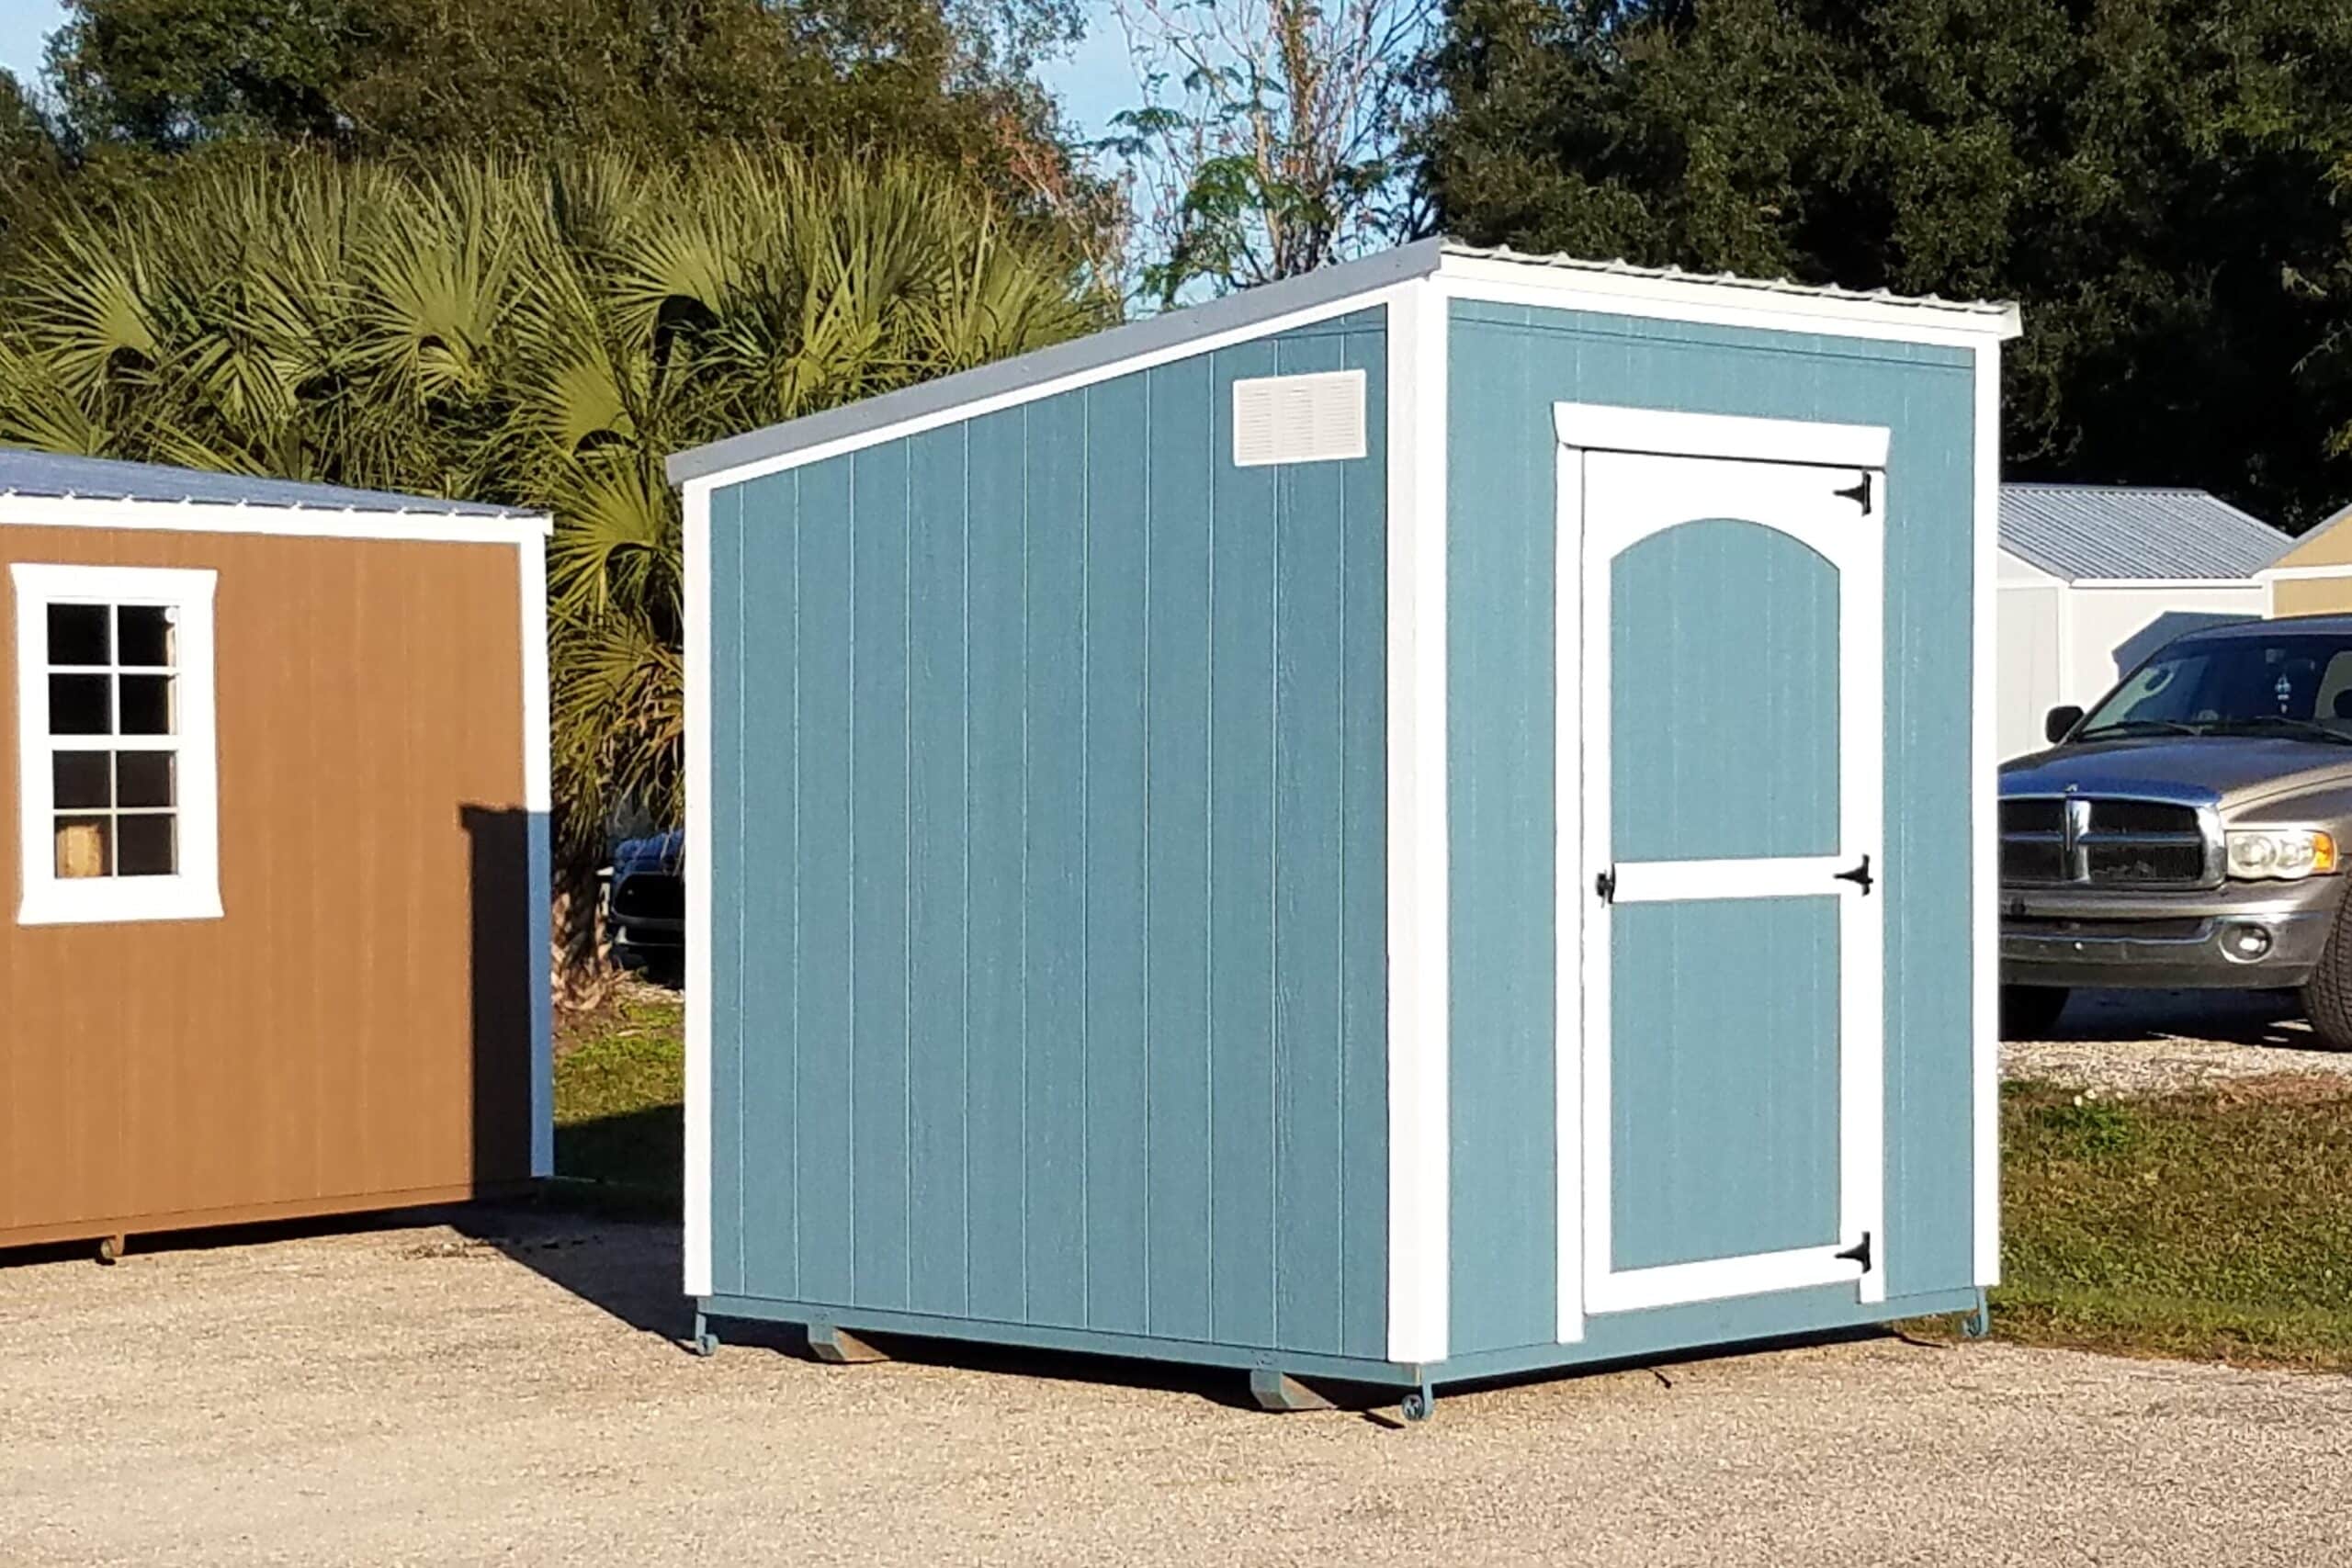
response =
{"points": [[544, 335]]}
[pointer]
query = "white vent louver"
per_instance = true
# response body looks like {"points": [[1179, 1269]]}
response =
{"points": [[1298, 418]]}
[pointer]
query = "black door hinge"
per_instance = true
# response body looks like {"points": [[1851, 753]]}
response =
{"points": [[1859, 1253], [1859, 491], [1605, 884], [1860, 876]]}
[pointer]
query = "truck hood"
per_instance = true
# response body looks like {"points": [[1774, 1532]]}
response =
{"points": [[2234, 770]]}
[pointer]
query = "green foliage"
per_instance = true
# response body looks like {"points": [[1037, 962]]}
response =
{"points": [[619, 1082], [541, 334], [2157, 181], [2210, 1224], [423, 79]]}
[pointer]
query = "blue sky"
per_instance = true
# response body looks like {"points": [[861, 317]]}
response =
{"points": [[22, 23], [1093, 83]]}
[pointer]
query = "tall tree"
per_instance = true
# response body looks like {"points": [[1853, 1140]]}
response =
{"points": [[1269, 139], [2152, 179], [948, 79]]}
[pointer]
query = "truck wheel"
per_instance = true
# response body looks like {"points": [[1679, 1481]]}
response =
{"points": [[2027, 1012], [2327, 995]]}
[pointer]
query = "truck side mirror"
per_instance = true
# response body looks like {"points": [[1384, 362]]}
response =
{"points": [[2059, 720]]}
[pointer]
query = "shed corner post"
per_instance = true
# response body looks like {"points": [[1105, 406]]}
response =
{"points": [[1419, 914], [538, 807], [697, 861], [1984, 975]]}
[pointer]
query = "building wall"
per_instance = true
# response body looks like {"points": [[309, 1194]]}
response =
{"points": [[1508, 364], [2113, 629], [2311, 595], [1050, 876], [2327, 545], [2032, 643], [356, 1028]]}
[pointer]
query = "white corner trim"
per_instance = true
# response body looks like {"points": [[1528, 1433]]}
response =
{"points": [[288, 521], [1419, 1127], [700, 1082], [1574, 945], [194, 893], [1984, 875], [1601, 427], [538, 802]]}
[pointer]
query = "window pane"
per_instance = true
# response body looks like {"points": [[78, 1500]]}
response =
{"points": [[147, 705], [141, 778], [144, 635], [145, 846], [84, 778], [77, 634], [83, 848], [79, 704]]}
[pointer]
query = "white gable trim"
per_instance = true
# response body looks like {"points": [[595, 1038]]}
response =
{"points": [[291, 522]]}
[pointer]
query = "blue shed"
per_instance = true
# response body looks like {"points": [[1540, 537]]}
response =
{"points": [[1424, 821]]}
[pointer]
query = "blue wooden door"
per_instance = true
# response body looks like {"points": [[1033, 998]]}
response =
{"points": [[1730, 753]]}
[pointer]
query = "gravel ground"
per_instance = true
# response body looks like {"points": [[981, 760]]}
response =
{"points": [[2139, 1042], [419, 1396]]}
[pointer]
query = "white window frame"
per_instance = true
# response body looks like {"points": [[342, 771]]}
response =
{"points": [[194, 892]]}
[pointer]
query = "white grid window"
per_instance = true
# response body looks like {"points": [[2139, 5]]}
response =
{"points": [[116, 749]]}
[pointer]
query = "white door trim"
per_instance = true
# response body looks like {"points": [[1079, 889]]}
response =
{"points": [[1586, 1282], [1667, 433]]}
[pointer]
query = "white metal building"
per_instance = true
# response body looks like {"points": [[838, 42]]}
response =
{"points": [[2093, 578]]}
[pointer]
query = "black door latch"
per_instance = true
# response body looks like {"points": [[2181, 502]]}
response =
{"points": [[1605, 885], [1859, 491], [1860, 876]]}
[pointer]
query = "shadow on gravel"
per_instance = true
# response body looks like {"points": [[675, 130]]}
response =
{"points": [[2237, 1018], [609, 1252]]}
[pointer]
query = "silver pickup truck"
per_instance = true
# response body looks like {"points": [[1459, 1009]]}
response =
{"points": [[2188, 830]]}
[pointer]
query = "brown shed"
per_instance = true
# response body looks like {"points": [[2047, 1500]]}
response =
{"points": [[276, 939], [2314, 577]]}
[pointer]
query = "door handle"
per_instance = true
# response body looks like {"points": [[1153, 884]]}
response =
{"points": [[1860, 875]]}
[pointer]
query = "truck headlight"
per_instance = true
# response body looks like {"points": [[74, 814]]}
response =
{"points": [[2283, 853]]}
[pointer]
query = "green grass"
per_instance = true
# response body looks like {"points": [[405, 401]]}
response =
{"points": [[2211, 1226], [619, 1082]]}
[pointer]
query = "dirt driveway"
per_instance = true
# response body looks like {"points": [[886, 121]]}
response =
{"points": [[417, 1395]]}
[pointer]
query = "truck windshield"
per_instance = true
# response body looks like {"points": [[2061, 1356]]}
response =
{"points": [[2288, 684]]}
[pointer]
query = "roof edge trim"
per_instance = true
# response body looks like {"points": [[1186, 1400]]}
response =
{"points": [[1062, 361], [20, 509]]}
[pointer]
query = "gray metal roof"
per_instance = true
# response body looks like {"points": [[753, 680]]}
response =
{"points": [[1233, 313], [56, 476], [2078, 531]]}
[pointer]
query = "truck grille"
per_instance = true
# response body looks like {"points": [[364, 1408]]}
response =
{"points": [[2081, 841]]}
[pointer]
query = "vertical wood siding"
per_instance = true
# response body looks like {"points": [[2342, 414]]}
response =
{"points": [[1048, 952], [356, 1029], [1508, 364]]}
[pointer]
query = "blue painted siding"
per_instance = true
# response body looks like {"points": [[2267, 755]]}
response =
{"points": [[1723, 671], [1508, 365], [1722, 1092], [1049, 967]]}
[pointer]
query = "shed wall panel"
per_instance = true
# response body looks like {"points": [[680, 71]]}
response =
{"points": [[1087, 1023], [1508, 364], [355, 1028]]}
